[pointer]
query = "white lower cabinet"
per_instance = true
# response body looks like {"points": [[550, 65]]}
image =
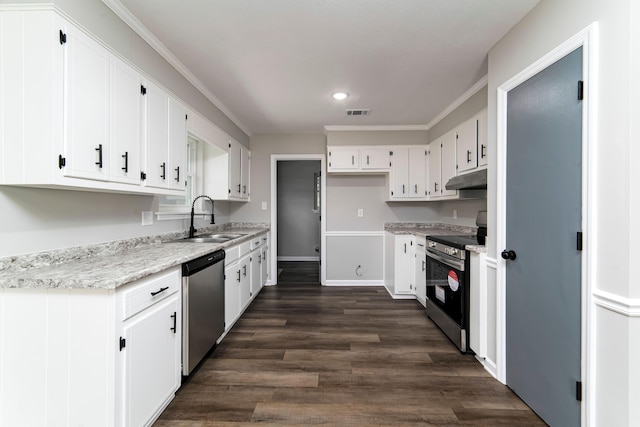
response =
{"points": [[151, 355], [92, 357], [420, 271], [478, 303], [399, 265]]}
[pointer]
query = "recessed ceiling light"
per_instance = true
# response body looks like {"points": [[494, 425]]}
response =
{"points": [[339, 96]]}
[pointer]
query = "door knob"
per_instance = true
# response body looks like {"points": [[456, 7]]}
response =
{"points": [[508, 254]]}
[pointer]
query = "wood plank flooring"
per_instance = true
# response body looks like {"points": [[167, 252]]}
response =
{"points": [[346, 356]]}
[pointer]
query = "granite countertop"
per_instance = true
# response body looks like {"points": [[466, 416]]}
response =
{"points": [[423, 230], [109, 269]]}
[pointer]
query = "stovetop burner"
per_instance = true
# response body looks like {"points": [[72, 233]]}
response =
{"points": [[457, 240]]}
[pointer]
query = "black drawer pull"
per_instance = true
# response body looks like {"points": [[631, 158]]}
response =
{"points": [[99, 150], [125, 156], [174, 322], [153, 294], [177, 173], [164, 170]]}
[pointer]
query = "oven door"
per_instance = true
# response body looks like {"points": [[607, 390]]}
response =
{"points": [[446, 282]]}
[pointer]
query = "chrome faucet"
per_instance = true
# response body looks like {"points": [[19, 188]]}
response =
{"points": [[192, 229]]}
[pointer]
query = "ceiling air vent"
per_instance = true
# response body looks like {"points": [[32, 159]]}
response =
{"points": [[358, 112]]}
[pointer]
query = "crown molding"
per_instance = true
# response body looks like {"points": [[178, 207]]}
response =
{"points": [[123, 13], [458, 102]]}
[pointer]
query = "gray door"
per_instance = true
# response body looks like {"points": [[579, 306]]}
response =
{"points": [[544, 182]]}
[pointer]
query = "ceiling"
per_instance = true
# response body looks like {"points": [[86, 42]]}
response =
{"points": [[274, 64]]}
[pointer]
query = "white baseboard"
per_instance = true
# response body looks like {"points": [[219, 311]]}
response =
{"points": [[298, 258], [354, 283], [399, 296], [489, 366]]}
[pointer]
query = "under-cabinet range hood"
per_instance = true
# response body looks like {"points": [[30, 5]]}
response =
{"points": [[472, 185]]}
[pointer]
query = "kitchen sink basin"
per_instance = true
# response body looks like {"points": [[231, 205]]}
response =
{"points": [[209, 238]]}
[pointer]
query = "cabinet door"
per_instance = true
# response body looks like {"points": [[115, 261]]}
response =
{"points": [[235, 169], [399, 176], [245, 166], [482, 138], [126, 123], [343, 159], [86, 107], [420, 275], [417, 171], [374, 158], [404, 264], [265, 265], [152, 366], [433, 182], [177, 145], [156, 136], [467, 146], [256, 271], [245, 282], [448, 163], [233, 279]]}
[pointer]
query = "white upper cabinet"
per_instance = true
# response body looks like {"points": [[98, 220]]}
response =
{"points": [[343, 159], [78, 117], [408, 171], [448, 163], [375, 158], [126, 124], [399, 177], [467, 145], [226, 170], [482, 119], [434, 185], [86, 106], [177, 145]]}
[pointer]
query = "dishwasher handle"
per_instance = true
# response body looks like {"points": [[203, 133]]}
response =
{"points": [[198, 264]]}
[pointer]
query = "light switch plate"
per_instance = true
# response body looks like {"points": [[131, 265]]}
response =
{"points": [[264, 206], [147, 217], [360, 213]]}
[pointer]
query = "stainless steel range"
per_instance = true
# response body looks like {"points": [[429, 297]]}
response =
{"points": [[448, 286]]}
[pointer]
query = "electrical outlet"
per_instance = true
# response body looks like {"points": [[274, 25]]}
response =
{"points": [[360, 213], [147, 217], [264, 206]]}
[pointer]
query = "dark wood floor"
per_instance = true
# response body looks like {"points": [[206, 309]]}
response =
{"points": [[346, 356]]}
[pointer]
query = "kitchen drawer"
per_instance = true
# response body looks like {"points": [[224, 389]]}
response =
{"points": [[256, 242], [235, 252], [143, 293]]}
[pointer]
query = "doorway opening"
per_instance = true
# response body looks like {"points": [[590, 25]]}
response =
{"points": [[298, 218]]}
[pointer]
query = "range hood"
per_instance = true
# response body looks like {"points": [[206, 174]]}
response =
{"points": [[472, 185], [476, 180]]}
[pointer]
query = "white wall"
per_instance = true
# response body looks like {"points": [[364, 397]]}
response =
{"points": [[615, 381], [298, 224]]}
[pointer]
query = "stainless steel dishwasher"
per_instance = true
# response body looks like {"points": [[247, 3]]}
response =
{"points": [[202, 307]]}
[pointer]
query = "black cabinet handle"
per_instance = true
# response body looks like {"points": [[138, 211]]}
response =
{"points": [[99, 150], [468, 156], [416, 189], [402, 188], [238, 275], [424, 264], [164, 170], [508, 255], [244, 189], [174, 316], [353, 160], [367, 159], [483, 151], [244, 270], [125, 156], [153, 294], [405, 248], [435, 187], [238, 188], [177, 173]]}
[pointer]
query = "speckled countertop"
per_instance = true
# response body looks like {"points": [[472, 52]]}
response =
{"points": [[113, 264], [425, 229]]}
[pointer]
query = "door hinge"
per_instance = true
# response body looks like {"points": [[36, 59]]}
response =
{"points": [[143, 176], [62, 162], [579, 240], [123, 343], [186, 116], [143, 90], [63, 37], [579, 391], [580, 90]]}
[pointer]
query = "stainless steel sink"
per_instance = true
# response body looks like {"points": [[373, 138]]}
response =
{"points": [[209, 238]]}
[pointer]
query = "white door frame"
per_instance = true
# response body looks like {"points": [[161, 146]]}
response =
{"points": [[275, 158], [587, 39]]}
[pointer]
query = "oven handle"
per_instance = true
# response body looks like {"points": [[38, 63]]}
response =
{"points": [[459, 265]]}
